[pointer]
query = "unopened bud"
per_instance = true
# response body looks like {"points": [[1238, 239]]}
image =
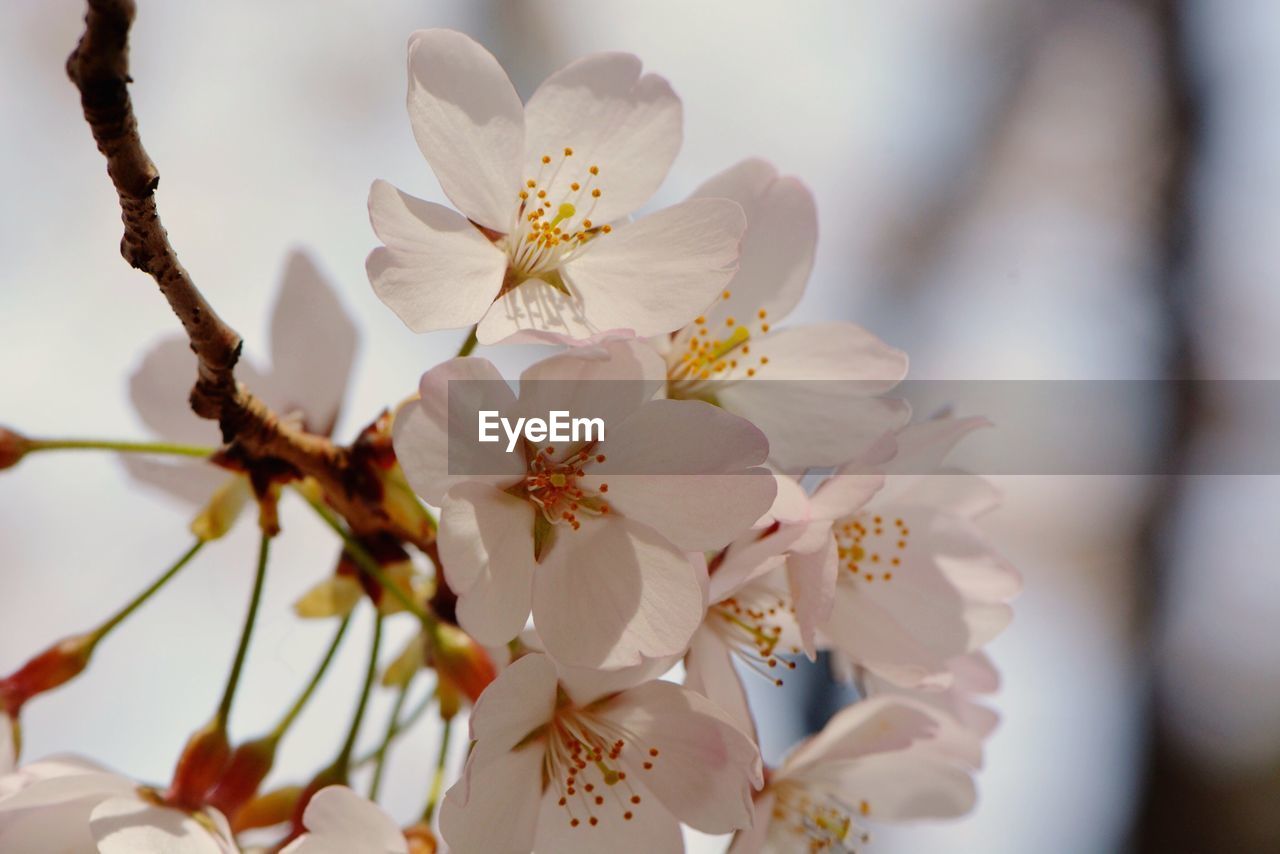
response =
{"points": [[201, 766], [224, 507], [462, 665], [13, 447], [275, 807], [250, 764], [56, 666], [421, 840]]}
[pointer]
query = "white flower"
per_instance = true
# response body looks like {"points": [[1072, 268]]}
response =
{"points": [[735, 355], [915, 582], [874, 761], [72, 806], [604, 541], [313, 344], [542, 248], [339, 821], [561, 768]]}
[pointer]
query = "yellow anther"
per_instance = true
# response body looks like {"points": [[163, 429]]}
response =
{"points": [[568, 152], [595, 194], [606, 229], [531, 183], [546, 158], [594, 170]]}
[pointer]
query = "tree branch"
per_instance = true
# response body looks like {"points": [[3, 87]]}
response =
{"points": [[99, 67]]}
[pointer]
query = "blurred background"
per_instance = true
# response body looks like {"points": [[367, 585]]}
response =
{"points": [[1008, 189]]}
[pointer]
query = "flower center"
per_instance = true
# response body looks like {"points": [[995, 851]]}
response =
{"points": [[554, 487], [585, 762], [871, 547], [700, 353], [824, 822], [552, 219], [752, 629]]}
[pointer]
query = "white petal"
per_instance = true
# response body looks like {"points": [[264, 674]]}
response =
{"points": [[614, 592], [778, 247], [811, 578], [609, 382], [63, 828], [899, 786], [437, 271], [688, 469], [469, 123], [705, 767], [452, 395], [519, 701], [188, 481], [534, 312], [587, 684], [132, 826], [654, 275], [159, 389], [752, 840], [844, 494], [500, 816], [865, 728], [709, 670], [342, 822], [486, 546], [313, 346], [627, 125], [651, 830]]}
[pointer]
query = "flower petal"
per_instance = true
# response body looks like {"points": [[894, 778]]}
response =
{"points": [[534, 312], [610, 117], [778, 247], [651, 830], [313, 346], [501, 814], [705, 767], [341, 822], [709, 670], [128, 825], [613, 592], [653, 275], [158, 390], [437, 271], [486, 546], [811, 579], [688, 469], [452, 395], [899, 786], [469, 123]]}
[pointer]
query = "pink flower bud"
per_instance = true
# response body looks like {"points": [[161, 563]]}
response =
{"points": [[250, 764], [56, 666], [462, 664], [274, 807]]}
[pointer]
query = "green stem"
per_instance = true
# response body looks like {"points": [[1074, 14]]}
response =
{"points": [[229, 693], [370, 565], [469, 344], [401, 728], [437, 782], [124, 613], [343, 763], [300, 703], [376, 785], [171, 448]]}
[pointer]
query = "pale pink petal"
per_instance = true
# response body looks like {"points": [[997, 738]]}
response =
{"points": [[898, 786], [519, 701], [341, 822], [844, 494], [650, 830], [611, 117], [704, 768], [469, 123], [486, 546], [159, 389], [654, 275], [709, 670], [423, 429], [436, 271], [614, 592], [493, 809], [609, 382], [313, 345], [778, 247], [63, 828], [132, 826], [187, 480], [865, 728], [811, 578], [534, 312], [585, 685], [751, 840], [688, 469]]}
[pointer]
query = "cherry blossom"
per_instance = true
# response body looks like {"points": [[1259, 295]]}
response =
{"points": [[560, 767], [339, 821], [74, 806], [602, 542], [874, 761], [542, 247], [915, 582], [313, 344], [735, 354]]}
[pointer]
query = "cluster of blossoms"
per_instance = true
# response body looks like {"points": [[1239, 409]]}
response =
{"points": [[754, 502]]}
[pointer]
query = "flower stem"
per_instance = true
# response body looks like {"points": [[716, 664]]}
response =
{"points": [[171, 448], [303, 698], [127, 611], [343, 763], [469, 344], [369, 564], [385, 748], [255, 599], [401, 728], [437, 782]]}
